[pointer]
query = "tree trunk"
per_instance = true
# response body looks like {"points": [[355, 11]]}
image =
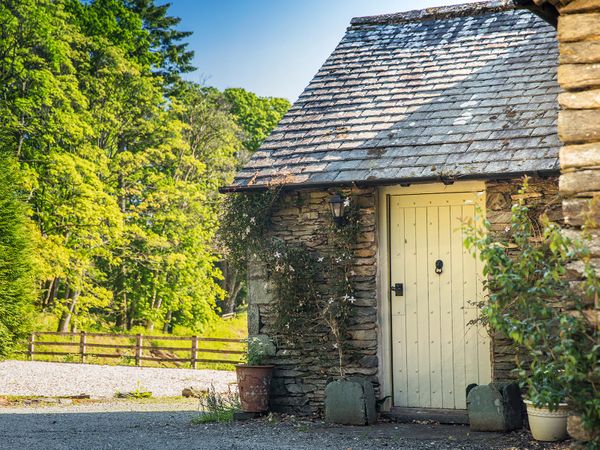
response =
{"points": [[167, 328], [156, 303], [233, 287], [65, 319]]}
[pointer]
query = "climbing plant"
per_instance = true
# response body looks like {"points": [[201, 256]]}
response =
{"points": [[313, 288]]}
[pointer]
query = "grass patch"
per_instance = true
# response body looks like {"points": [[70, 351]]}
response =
{"points": [[217, 407], [233, 328]]}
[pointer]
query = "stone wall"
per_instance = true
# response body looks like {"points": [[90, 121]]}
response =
{"points": [[302, 371], [579, 123], [543, 198]]}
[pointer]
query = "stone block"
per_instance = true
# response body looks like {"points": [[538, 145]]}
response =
{"points": [[580, 183], [584, 155], [577, 431], [581, 6], [579, 76], [593, 244], [583, 52], [579, 126], [495, 407], [260, 291], [582, 211], [578, 27], [588, 99], [350, 402]]}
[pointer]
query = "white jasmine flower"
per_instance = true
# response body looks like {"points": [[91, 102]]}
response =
{"points": [[320, 259], [252, 220], [277, 255], [351, 299], [335, 345], [347, 201], [291, 268]]}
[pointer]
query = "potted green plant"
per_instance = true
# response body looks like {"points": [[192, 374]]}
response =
{"points": [[547, 410], [254, 377]]}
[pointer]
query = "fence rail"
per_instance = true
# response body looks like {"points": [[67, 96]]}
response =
{"points": [[80, 346]]}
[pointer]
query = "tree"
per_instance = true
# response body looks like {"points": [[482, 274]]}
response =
{"points": [[257, 116], [17, 281], [173, 57]]}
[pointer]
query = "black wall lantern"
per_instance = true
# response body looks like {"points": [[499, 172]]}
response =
{"points": [[336, 202]]}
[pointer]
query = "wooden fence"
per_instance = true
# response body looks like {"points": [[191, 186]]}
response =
{"points": [[83, 345]]}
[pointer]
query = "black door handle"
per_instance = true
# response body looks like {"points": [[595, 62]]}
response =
{"points": [[398, 288]]}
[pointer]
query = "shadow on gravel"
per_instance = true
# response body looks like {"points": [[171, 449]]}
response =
{"points": [[173, 430]]}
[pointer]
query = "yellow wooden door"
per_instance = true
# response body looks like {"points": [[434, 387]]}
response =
{"points": [[436, 352]]}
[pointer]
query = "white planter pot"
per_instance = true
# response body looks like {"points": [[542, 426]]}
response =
{"points": [[547, 425]]}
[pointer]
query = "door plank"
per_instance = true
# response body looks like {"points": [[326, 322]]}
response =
{"points": [[446, 307], [435, 351], [458, 325], [470, 311], [398, 305], [410, 294], [422, 340]]}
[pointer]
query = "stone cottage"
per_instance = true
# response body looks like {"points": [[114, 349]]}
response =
{"points": [[420, 118]]}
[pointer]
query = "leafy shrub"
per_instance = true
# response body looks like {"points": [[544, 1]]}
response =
{"points": [[535, 302]]}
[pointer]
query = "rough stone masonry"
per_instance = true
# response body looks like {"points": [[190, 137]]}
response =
{"points": [[579, 124]]}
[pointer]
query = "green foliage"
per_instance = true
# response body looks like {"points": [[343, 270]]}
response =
{"points": [[17, 288], [256, 115], [217, 407], [120, 161], [533, 301]]}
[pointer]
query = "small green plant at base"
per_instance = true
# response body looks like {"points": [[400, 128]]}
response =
{"points": [[217, 407], [71, 357], [138, 393]]}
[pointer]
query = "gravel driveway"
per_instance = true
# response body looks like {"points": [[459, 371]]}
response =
{"points": [[49, 379], [173, 430]]}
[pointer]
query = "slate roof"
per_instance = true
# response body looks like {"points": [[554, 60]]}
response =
{"points": [[463, 91]]}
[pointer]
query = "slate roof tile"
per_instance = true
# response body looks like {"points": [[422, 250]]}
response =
{"points": [[468, 90]]}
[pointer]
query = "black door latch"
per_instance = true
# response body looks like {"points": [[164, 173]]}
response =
{"points": [[398, 288]]}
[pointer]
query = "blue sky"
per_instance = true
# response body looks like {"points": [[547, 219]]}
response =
{"points": [[272, 47]]}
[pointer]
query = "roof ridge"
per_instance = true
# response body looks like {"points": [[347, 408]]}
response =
{"points": [[440, 12]]}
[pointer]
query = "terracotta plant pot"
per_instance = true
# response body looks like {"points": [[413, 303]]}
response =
{"points": [[253, 386], [547, 425]]}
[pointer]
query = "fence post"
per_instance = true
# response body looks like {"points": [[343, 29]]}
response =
{"points": [[194, 351], [82, 342], [138, 350], [31, 346]]}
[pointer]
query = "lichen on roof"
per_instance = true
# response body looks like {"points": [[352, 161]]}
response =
{"points": [[451, 92]]}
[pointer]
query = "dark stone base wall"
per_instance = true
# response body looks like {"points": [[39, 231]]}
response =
{"points": [[302, 369], [542, 198]]}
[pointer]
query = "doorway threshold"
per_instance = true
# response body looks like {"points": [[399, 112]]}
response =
{"points": [[446, 416]]}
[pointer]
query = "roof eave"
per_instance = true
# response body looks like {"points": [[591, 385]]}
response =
{"points": [[389, 181]]}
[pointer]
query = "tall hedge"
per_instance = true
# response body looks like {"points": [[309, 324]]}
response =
{"points": [[17, 285]]}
